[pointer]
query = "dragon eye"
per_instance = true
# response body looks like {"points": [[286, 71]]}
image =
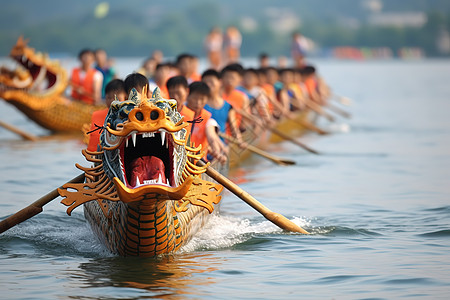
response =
{"points": [[123, 114], [139, 116], [154, 115]]}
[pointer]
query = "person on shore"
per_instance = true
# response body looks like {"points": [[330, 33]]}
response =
{"points": [[85, 80], [158, 56], [103, 65], [232, 45], [115, 89], [213, 46], [298, 49], [264, 60]]}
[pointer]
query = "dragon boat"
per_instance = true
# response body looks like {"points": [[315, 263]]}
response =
{"points": [[144, 195], [36, 87]]}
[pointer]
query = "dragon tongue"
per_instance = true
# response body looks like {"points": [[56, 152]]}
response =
{"points": [[147, 168]]}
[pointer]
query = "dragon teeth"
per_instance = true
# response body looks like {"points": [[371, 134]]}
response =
{"points": [[133, 137], [159, 179], [148, 134], [163, 136], [126, 143], [138, 183]]}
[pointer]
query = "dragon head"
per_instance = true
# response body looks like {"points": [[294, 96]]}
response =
{"points": [[143, 157], [35, 79], [144, 144]]}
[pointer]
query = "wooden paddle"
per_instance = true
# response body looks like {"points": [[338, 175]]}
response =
{"points": [[276, 218], [16, 130], [276, 131], [339, 111], [292, 140], [318, 109], [258, 151], [343, 100], [34, 208], [308, 125]]}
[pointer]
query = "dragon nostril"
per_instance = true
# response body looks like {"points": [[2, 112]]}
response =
{"points": [[139, 116], [154, 115]]}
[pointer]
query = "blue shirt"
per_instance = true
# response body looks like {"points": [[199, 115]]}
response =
{"points": [[220, 115]]}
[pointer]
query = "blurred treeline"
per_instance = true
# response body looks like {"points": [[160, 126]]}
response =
{"points": [[136, 27]]}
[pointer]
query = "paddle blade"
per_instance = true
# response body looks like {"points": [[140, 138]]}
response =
{"points": [[284, 223]]}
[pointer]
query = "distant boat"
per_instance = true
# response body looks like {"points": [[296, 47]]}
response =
{"points": [[37, 88]]}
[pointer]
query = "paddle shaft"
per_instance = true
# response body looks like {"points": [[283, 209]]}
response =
{"points": [[258, 151], [34, 208], [318, 109], [343, 100], [276, 218], [292, 140], [277, 132], [16, 130], [339, 111], [310, 126]]}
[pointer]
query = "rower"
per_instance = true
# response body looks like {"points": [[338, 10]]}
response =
{"points": [[291, 89], [203, 130], [115, 89], [187, 67], [231, 77], [162, 74], [136, 81], [258, 99], [85, 80], [310, 81], [178, 89], [220, 110], [103, 64]]}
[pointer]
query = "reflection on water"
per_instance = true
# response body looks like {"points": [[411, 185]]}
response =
{"points": [[168, 276]]}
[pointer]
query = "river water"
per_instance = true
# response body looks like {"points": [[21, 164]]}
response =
{"points": [[376, 201]]}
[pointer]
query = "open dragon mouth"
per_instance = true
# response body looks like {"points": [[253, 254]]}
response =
{"points": [[41, 77], [148, 159]]}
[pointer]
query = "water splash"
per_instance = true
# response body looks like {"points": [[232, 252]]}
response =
{"points": [[226, 231], [53, 235]]}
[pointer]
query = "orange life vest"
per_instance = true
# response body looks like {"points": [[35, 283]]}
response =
{"points": [[311, 86], [164, 92], [270, 91], [236, 99], [188, 116], [195, 77], [98, 118], [198, 131], [87, 83]]}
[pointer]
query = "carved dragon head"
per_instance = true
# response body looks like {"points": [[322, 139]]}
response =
{"points": [[143, 156], [35, 80]]}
